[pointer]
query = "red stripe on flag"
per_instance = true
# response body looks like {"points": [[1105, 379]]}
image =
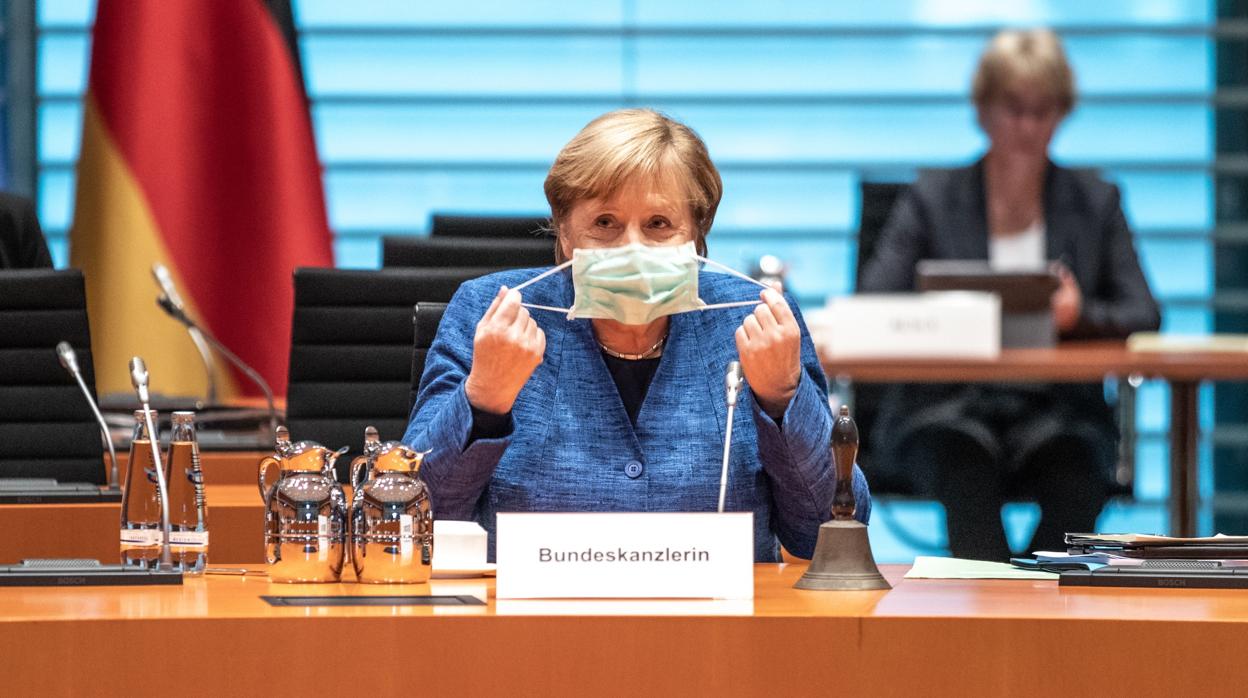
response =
{"points": [[205, 107]]}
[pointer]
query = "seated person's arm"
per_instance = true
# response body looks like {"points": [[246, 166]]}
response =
{"points": [[466, 439], [1123, 304], [796, 455]]}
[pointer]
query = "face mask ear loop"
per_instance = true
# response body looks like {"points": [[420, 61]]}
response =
{"points": [[732, 271], [539, 277], [734, 304]]}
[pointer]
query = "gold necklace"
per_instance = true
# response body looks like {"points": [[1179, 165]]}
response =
{"points": [[633, 357]]}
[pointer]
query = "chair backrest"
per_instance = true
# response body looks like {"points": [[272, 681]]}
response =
{"points": [[351, 351], [875, 204], [419, 251], [447, 225], [877, 200], [46, 428], [425, 320]]}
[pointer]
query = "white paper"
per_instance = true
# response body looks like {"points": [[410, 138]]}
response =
{"points": [[954, 568]]}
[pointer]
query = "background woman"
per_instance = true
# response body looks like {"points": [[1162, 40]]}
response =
{"points": [[975, 444]]}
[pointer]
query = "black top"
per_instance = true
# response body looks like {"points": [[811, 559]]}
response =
{"points": [[21, 241], [632, 378]]}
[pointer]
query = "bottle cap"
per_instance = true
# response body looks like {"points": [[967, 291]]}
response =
{"points": [[181, 417], [138, 414]]}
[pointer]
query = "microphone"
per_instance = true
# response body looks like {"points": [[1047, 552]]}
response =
{"points": [[177, 312], [138, 378], [69, 359], [733, 380], [165, 281]]}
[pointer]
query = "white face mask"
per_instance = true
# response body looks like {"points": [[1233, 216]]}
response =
{"points": [[636, 284]]}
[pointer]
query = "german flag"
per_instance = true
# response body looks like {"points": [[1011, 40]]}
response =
{"points": [[197, 152]]}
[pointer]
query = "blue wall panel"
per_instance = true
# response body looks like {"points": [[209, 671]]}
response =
{"points": [[470, 66], [922, 14]]}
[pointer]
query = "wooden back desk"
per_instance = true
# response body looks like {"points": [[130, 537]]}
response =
{"points": [[1082, 362], [235, 518], [214, 636]]}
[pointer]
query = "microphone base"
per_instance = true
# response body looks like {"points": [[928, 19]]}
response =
{"points": [[842, 561], [48, 491], [79, 573]]}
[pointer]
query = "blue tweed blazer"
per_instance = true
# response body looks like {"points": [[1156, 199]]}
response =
{"points": [[570, 443]]}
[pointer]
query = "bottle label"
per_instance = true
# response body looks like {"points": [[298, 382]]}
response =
{"points": [[405, 537], [188, 539], [141, 537]]}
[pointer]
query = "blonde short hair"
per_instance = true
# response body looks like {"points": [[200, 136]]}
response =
{"points": [[622, 145], [1034, 56]]}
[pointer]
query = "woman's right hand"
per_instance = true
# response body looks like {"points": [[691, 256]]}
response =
{"points": [[506, 349]]}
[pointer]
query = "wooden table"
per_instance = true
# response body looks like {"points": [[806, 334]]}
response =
{"points": [[215, 636], [1083, 362]]}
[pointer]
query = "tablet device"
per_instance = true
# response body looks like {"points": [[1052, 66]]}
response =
{"points": [[1020, 291]]}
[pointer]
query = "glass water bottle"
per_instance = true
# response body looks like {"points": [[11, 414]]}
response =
{"points": [[141, 534], [188, 510]]}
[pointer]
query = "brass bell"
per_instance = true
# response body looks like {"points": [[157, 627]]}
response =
{"points": [[843, 559]]}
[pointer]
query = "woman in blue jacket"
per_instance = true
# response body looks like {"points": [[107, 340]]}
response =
{"points": [[602, 389]]}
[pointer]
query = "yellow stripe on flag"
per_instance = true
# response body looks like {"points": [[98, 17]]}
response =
{"points": [[115, 241]]}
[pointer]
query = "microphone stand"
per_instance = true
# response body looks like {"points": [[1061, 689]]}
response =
{"points": [[732, 381], [138, 378], [161, 274], [69, 359], [179, 314]]}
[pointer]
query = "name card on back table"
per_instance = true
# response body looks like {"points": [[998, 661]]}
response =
{"points": [[625, 556]]}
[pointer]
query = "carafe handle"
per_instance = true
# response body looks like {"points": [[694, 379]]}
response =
{"points": [[358, 472], [264, 489]]}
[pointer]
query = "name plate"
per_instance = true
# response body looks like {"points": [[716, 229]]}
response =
{"points": [[951, 324], [625, 556]]}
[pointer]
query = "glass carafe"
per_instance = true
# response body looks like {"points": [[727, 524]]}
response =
{"points": [[141, 534], [188, 509]]}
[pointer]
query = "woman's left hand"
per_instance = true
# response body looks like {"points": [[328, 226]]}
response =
{"points": [[769, 344], [1067, 300]]}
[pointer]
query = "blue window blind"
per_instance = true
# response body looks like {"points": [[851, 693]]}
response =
{"points": [[423, 107]]}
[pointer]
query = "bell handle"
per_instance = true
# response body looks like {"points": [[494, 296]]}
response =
{"points": [[844, 453]]}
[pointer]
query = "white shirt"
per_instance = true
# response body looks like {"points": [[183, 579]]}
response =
{"points": [[1021, 251]]}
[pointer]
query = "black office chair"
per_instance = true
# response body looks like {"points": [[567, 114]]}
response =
{"points": [[351, 351], [419, 251], [425, 320], [46, 428], [478, 226]]}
